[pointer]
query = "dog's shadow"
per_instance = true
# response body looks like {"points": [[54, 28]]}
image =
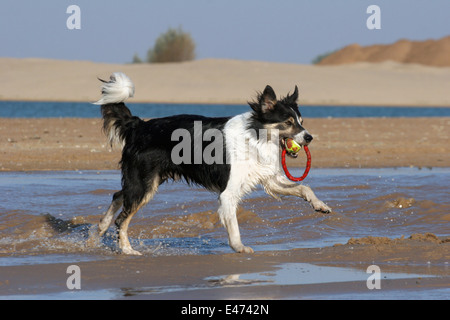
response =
{"points": [[86, 237], [86, 233]]}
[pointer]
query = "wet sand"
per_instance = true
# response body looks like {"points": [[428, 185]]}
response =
{"points": [[79, 144], [187, 277]]}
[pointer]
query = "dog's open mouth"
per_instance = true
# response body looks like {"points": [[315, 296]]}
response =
{"points": [[290, 153]]}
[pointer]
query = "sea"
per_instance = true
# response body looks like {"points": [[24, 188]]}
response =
{"points": [[32, 109]]}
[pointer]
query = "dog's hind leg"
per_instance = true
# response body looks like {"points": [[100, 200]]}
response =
{"points": [[116, 203], [227, 214], [122, 222], [133, 200], [280, 185]]}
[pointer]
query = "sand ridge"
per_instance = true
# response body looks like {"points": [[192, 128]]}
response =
{"points": [[229, 81], [429, 52]]}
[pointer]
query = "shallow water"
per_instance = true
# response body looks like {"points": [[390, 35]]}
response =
{"points": [[48, 215]]}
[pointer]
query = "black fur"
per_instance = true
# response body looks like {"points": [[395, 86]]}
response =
{"points": [[148, 149], [146, 154]]}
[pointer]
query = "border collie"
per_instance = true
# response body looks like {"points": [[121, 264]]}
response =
{"points": [[246, 153]]}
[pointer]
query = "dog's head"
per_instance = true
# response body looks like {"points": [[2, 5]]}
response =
{"points": [[283, 115]]}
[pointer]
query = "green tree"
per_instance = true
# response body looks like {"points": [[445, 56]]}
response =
{"points": [[174, 45], [136, 59], [320, 57]]}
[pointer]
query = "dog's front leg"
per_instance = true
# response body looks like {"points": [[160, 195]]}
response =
{"points": [[227, 213], [279, 185]]}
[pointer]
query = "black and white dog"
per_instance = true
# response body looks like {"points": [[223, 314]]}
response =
{"points": [[244, 152]]}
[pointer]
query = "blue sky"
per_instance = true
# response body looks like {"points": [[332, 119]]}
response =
{"points": [[293, 31]]}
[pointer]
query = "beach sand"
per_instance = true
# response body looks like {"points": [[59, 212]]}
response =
{"points": [[67, 144], [79, 144], [229, 81]]}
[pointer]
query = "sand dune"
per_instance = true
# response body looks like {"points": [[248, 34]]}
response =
{"points": [[428, 52], [229, 81]]}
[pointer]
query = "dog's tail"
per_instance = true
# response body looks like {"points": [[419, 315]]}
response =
{"points": [[117, 118]]}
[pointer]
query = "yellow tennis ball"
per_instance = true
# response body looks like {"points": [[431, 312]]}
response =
{"points": [[292, 146]]}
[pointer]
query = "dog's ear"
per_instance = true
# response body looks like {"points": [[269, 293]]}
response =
{"points": [[294, 96], [268, 99]]}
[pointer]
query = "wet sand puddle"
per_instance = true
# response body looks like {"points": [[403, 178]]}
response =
{"points": [[51, 217], [289, 275], [54, 212], [303, 275]]}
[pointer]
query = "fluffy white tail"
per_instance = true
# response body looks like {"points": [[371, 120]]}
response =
{"points": [[118, 89], [117, 118]]}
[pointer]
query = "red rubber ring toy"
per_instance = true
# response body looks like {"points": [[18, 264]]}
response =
{"points": [[308, 165]]}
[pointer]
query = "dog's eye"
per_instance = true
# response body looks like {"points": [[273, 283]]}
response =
{"points": [[289, 122]]}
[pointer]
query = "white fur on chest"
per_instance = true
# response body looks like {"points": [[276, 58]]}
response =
{"points": [[252, 160]]}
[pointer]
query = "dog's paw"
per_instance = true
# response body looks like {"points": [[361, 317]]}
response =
{"points": [[247, 250], [243, 249], [131, 252], [321, 207]]}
